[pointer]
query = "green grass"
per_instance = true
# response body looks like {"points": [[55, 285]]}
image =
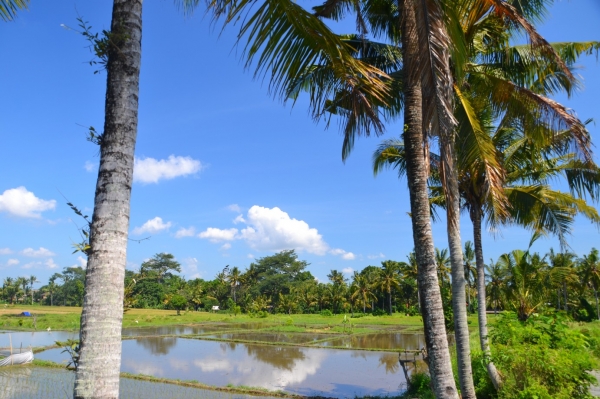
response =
{"points": [[68, 319]]}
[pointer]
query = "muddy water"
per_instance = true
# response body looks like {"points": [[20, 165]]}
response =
{"points": [[36, 382], [302, 370]]}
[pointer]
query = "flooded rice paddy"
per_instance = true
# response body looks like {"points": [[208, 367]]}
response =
{"points": [[44, 383], [310, 364]]}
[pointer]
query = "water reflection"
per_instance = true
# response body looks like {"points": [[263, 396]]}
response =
{"points": [[157, 345], [386, 340], [34, 338], [302, 370], [35, 382]]}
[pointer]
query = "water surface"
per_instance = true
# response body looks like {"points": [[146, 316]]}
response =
{"points": [[303, 370]]}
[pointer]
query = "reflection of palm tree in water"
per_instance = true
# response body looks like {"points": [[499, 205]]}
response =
{"points": [[282, 357], [390, 361], [157, 345]]}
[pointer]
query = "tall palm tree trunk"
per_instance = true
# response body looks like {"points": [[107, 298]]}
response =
{"points": [[459, 296], [100, 336], [481, 300], [440, 367]]}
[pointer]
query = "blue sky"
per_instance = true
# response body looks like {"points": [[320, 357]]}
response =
{"points": [[224, 172]]}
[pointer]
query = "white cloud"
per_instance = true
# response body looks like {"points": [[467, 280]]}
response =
{"points": [[234, 208], [217, 235], [152, 226], [50, 264], [183, 232], [225, 246], [5, 251], [190, 267], [82, 262], [23, 203], [239, 219], [250, 256], [376, 256], [30, 265], [90, 166], [344, 254], [150, 170], [37, 253], [348, 270], [274, 230], [12, 262]]}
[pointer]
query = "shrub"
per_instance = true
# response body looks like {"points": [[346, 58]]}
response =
{"points": [[326, 312], [541, 358]]}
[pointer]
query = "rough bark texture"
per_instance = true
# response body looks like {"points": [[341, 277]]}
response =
{"points": [[100, 336], [459, 297], [433, 315], [481, 308]]}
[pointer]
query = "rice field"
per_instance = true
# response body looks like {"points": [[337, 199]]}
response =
{"points": [[28, 382]]}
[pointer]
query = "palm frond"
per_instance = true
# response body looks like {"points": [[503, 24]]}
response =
{"points": [[9, 8], [283, 41]]}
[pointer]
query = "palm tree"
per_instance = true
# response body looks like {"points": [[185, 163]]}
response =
{"points": [[443, 264], [565, 260], [22, 282], [362, 289], [469, 266], [496, 280], [234, 279], [32, 280], [590, 265], [389, 279], [8, 8]]}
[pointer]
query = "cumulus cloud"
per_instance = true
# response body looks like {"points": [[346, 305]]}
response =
{"points": [[82, 262], [50, 264], [271, 229], [190, 267], [5, 251], [150, 170], [217, 235], [12, 262], [183, 232], [234, 208], [152, 226], [89, 166], [23, 203], [348, 270], [344, 254], [37, 253], [225, 246]]}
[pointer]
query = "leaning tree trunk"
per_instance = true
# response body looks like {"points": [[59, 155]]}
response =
{"points": [[459, 297], [481, 300], [101, 320], [436, 340]]}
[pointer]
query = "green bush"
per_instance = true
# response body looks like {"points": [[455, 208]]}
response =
{"points": [[326, 312], [541, 358]]}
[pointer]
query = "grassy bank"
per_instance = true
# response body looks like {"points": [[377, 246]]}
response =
{"points": [[67, 319]]}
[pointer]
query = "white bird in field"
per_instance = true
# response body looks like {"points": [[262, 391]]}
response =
{"points": [[48, 329], [136, 321]]}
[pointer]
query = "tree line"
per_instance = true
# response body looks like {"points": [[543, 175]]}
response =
{"points": [[521, 281]]}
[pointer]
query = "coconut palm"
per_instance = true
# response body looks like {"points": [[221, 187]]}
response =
{"points": [[469, 266], [442, 262], [495, 287], [234, 279], [362, 288], [9, 8], [388, 279], [590, 265], [32, 281], [566, 260]]}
